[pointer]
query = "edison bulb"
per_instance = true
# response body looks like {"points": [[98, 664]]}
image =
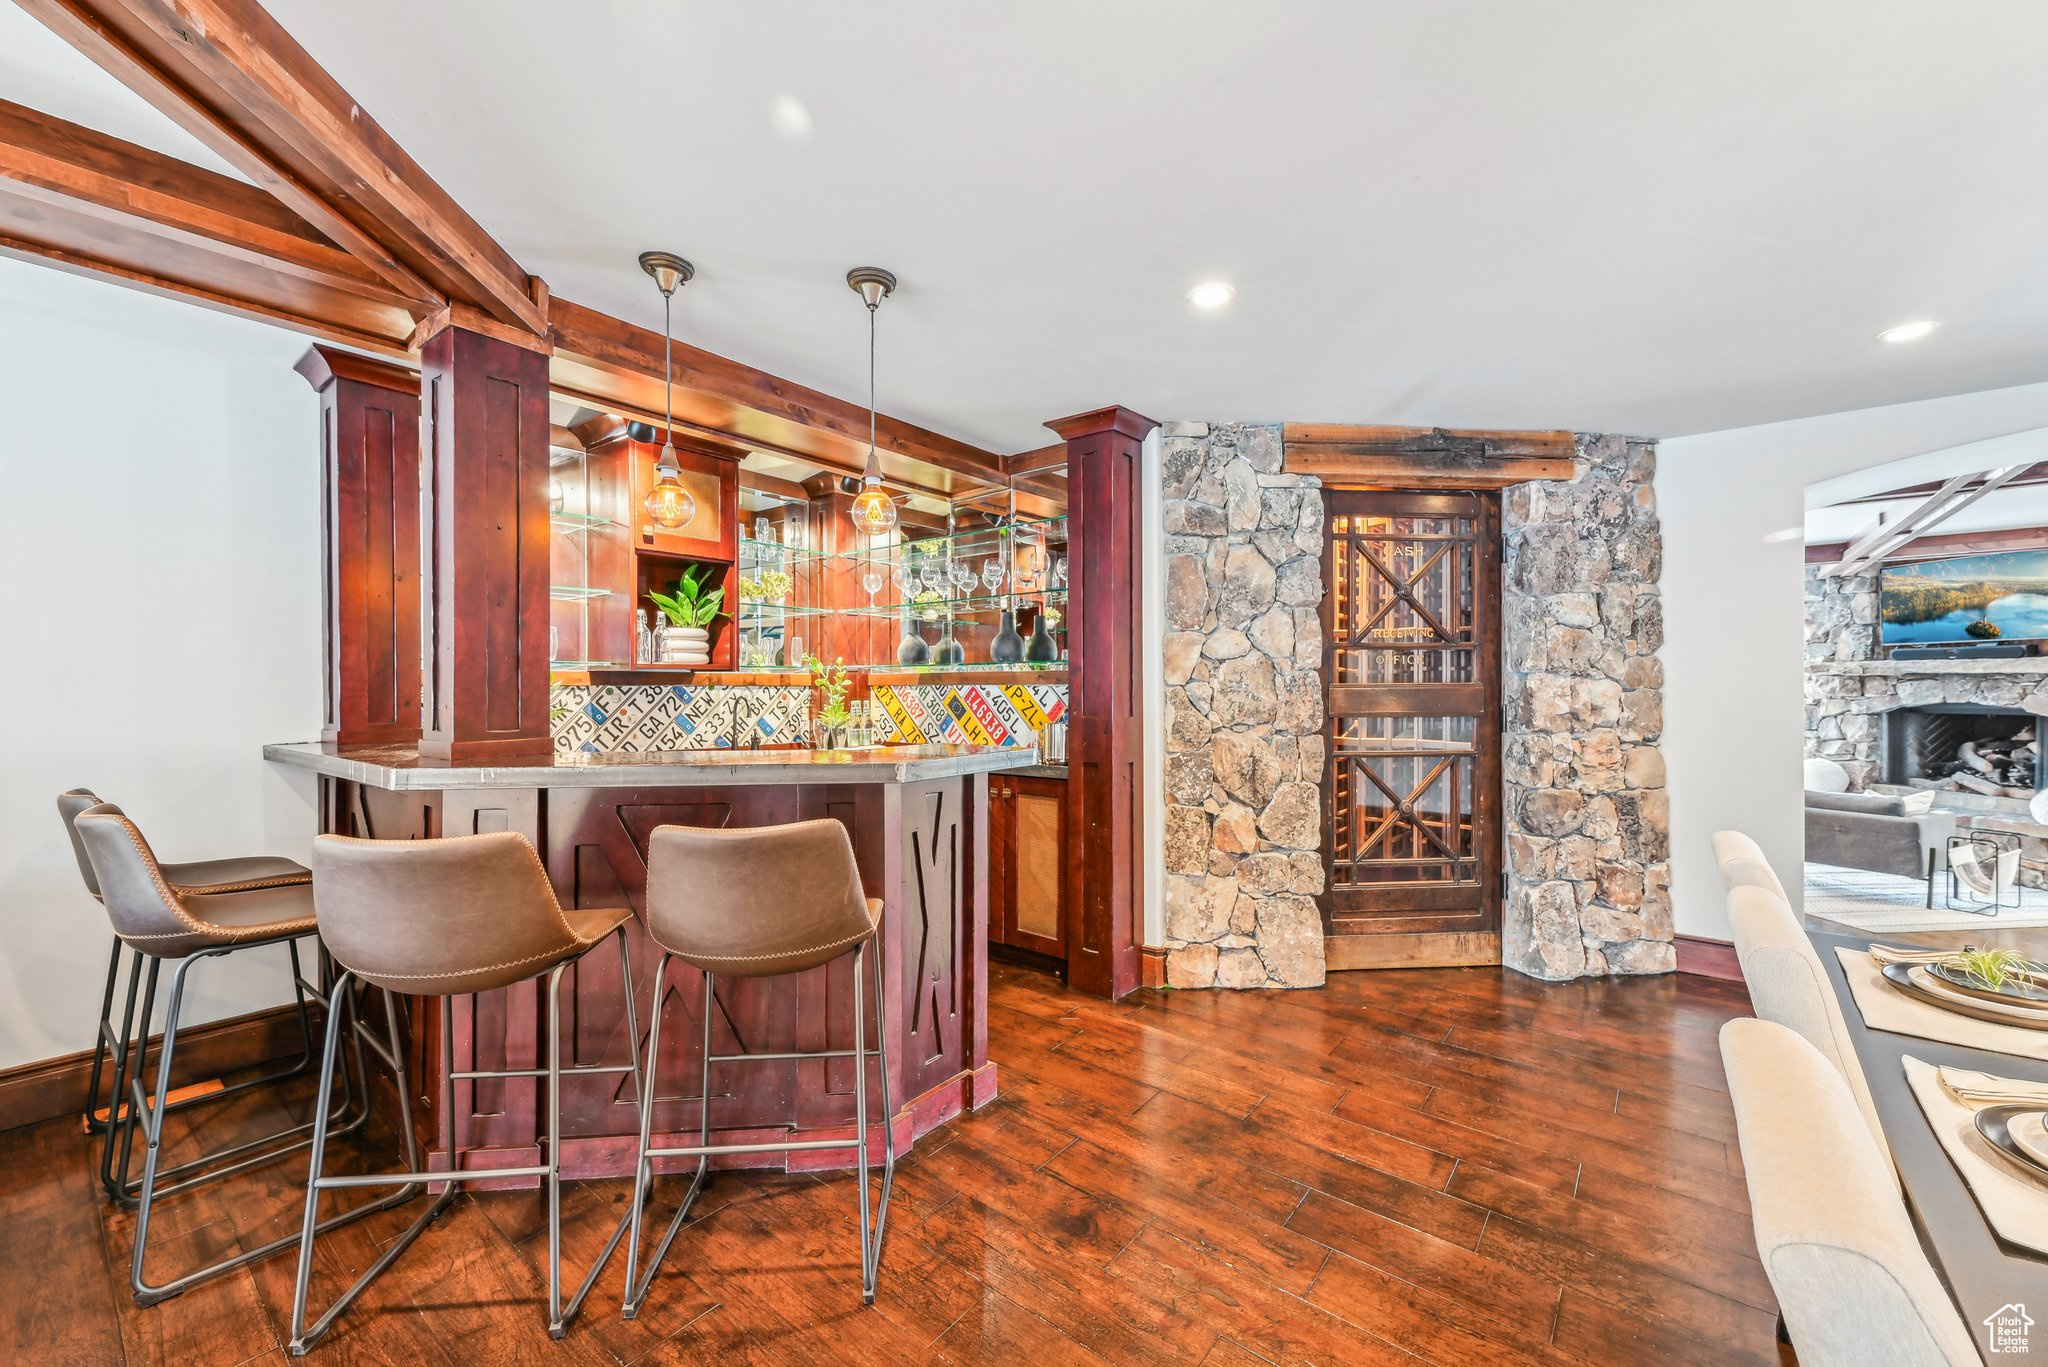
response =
{"points": [[669, 503], [873, 511]]}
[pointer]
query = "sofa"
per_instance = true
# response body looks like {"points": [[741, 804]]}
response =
{"points": [[1879, 833]]}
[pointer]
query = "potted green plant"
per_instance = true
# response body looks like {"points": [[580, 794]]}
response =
{"points": [[691, 610], [833, 714]]}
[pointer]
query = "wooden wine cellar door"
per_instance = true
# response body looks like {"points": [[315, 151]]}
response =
{"points": [[1411, 787]]}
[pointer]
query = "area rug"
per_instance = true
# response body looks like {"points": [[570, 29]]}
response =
{"points": [[1878, 903]]}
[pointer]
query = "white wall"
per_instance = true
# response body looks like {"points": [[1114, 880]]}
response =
{"points": [[1734, 648], [159, 616]]}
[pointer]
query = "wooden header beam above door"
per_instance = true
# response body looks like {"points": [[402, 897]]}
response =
{"points": [[1426, 457]]}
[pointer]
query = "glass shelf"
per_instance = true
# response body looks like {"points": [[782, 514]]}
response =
{"points": [[569, 666], [579, 522], [776, 552], [949, 607], [576, 593]]}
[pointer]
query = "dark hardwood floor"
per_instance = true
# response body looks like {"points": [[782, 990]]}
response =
{"points": [[1451, 1166]]}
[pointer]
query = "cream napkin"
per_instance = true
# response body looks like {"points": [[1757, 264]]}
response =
{"points": [[2012, 1204], [1884, 1007]]}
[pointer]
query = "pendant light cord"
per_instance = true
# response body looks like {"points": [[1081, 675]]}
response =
{"points": [[873, 467], [668, 372]]}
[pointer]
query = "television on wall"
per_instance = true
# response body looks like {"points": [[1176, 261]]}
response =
{"points": [[2002, 597]]}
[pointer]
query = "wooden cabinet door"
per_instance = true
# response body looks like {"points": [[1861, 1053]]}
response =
{"points": [[1032, 830]]}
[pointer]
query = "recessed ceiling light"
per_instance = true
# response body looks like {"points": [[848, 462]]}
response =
{"points": [[1908, 332], [1211, 294], [790, 120]]}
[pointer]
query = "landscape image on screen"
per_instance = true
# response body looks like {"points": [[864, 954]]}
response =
{"points": [[2000, 597]]}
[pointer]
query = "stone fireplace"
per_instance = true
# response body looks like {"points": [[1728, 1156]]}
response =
{"points": [[1969, 747]]}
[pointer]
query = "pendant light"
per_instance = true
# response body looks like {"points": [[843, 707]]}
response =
{"points": [[668, 502], [873, 511]]}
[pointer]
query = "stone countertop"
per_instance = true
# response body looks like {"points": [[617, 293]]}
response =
{"points": [[400, 768], [1039, 771]]}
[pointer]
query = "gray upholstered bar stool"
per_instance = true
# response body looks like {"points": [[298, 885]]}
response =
{"points": [[446, 918], [757, 903], [201, 878], [161, 921]]}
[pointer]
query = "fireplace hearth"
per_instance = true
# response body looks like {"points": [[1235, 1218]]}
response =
{"points": [[1962, 747]]}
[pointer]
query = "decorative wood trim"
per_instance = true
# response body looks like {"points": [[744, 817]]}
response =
{"points": [[1151, 966], [474, 320], [370, 551], [31, 1093], [1708, 958], [1450, 949], [1425, 457], [1105, 701], [1944, 545]]}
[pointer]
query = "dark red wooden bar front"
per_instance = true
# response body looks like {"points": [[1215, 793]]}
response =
{"points": [[918, 818]]}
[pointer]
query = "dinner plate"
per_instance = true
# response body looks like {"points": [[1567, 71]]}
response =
{"points": [[2017, 1133], [1938, 993], [2025, 987]]}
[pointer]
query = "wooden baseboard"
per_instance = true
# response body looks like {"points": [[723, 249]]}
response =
{"points": [[1708, 958], [34, 1092], [1151, 966], [1453, 949]]}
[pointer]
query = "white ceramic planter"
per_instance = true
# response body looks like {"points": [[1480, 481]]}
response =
{"points": [[685, 646]]}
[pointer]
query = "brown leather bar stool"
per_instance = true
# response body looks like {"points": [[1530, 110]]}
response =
{"points": [[161, 921], [447, 918], [757, 903], [200, 878]]}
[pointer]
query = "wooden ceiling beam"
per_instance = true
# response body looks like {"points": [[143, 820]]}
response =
{"points": [[228, 73], [609, 357], [86, 173], [1943, 546], [1052, 457]]}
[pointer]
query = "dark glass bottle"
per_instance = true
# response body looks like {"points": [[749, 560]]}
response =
{"points": [[1041, 649], [1008, 647], [949, 650]]}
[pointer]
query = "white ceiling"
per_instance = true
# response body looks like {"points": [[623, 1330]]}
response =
{"points": [[1600, 214]]}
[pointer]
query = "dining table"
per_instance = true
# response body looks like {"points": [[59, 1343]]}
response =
{"points": [[1984, 1273]]}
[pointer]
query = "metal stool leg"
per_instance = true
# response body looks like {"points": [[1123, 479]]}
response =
{"points": [[643, 1169], [304, 1335], [642, 1099], [151, 1119], [102, 1043], [870, 1229]]}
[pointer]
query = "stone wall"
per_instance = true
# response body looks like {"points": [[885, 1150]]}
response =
{"points": [[1841, 716], [1244, 711], [1587, 823], [1587, 817]]}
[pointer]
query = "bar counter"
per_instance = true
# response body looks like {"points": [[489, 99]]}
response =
{"points": [[918, 817]]}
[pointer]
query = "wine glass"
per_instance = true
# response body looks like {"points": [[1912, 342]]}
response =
{"points": [[872, 578], [1059, 571], [963, 578], [992, 573], [932, 574]]}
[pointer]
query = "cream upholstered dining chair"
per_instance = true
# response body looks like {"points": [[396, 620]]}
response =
{"points": [[1742, 864], [1851, 1280], [1789, 984]]}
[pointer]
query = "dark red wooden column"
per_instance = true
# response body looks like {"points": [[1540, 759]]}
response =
{"points": [[370, 546], [1105, 741], [485, 402]]}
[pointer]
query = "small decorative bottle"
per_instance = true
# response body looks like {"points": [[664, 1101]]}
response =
{"points": [[643, 639], [1041, 649], [1008, 647]]}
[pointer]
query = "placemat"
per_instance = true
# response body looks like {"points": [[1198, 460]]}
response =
{"points": [[1884, 1007], [2013, 1205]]}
